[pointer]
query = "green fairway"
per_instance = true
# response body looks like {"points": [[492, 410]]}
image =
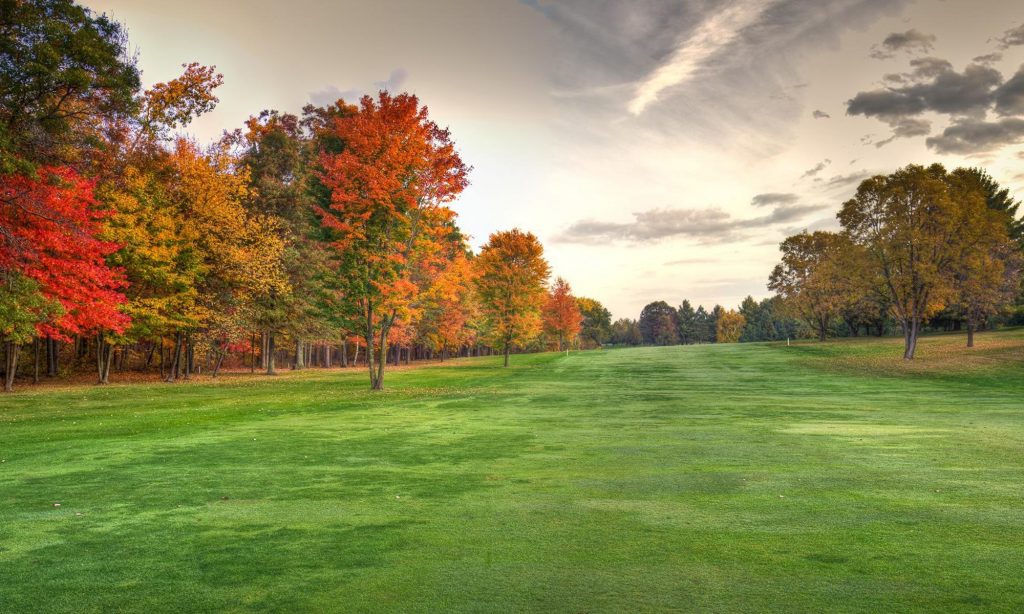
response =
{"points": [[710, 478]]}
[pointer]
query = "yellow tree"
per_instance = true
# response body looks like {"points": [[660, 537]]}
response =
{"points": [[729, 326], [986, 273], [810, 277], [916, 224], [511, 278]]}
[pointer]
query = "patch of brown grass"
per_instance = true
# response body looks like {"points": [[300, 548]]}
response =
{"points": [[937, 354]]}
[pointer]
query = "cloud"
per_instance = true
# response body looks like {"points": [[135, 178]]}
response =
{"points": [[1012, 37], [969, 136], [820, 166], [709, 225], [774, 198], [909, 41], [331, 94], [988, 58], [1010, 97], [906, 127], [820, 114], [839, 181], [717, 31], [933, 85]]}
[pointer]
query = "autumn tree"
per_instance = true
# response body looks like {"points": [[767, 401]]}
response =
{"points": [[511, 278], [562, 318], [450, 307], [914, 230], [597, 321], [986, 272], [730, 326], [811, 276], [52, 238], [388, 188]]}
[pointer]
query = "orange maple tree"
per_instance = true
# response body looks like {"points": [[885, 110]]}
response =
{"points": [[387, 214], [562, 316]]}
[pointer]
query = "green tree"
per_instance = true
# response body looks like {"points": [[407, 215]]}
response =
{"points": [[687, 322], [63, 71], [597, 321], [659, 324]]}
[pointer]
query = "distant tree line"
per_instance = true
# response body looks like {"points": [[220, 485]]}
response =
{"points": [[921, 249]]}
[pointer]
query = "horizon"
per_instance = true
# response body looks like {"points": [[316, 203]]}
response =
{"points": [[593, 113]]}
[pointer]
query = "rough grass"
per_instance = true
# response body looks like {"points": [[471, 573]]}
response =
{"points": [[817, 477]]}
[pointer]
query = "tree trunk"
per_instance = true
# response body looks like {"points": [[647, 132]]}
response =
{"points": [[270, 354], [106, 367], [103, 351], [506, 353], [910, 332], [188, 355], [378, 383], [149, 356], [970, 333], [35, 372], [52, 353], [10, 365], [221, 353], [172, 371], [162, 373], [344, 353], [300, 355]]}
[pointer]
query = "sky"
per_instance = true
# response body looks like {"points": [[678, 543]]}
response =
{"points": [[660, 149]]}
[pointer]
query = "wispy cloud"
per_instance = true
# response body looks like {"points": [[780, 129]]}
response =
{"points": [[714, 34], [709, 225]]}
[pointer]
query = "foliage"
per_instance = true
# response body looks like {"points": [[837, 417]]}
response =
{"points": [[659, 324], [562, 317], [729, 326], [511, 275]]}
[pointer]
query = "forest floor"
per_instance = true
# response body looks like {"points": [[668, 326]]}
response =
{"points": [[746, 477]]}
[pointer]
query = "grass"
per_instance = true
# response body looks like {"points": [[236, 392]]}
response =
{"points": [[817, 477]]}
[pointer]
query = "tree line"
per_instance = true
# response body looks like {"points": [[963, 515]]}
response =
{"points": [[922, 248], [323, 237]]}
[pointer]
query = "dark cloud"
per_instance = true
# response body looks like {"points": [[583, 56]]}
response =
{"points": [[988, 58], [331, 94], [969, 136], [932, 85], [706, 225], [909, 41], [906, 127], [1012, 37], [1010, 97], [820, 114], [820, 166], [774, 198]]}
